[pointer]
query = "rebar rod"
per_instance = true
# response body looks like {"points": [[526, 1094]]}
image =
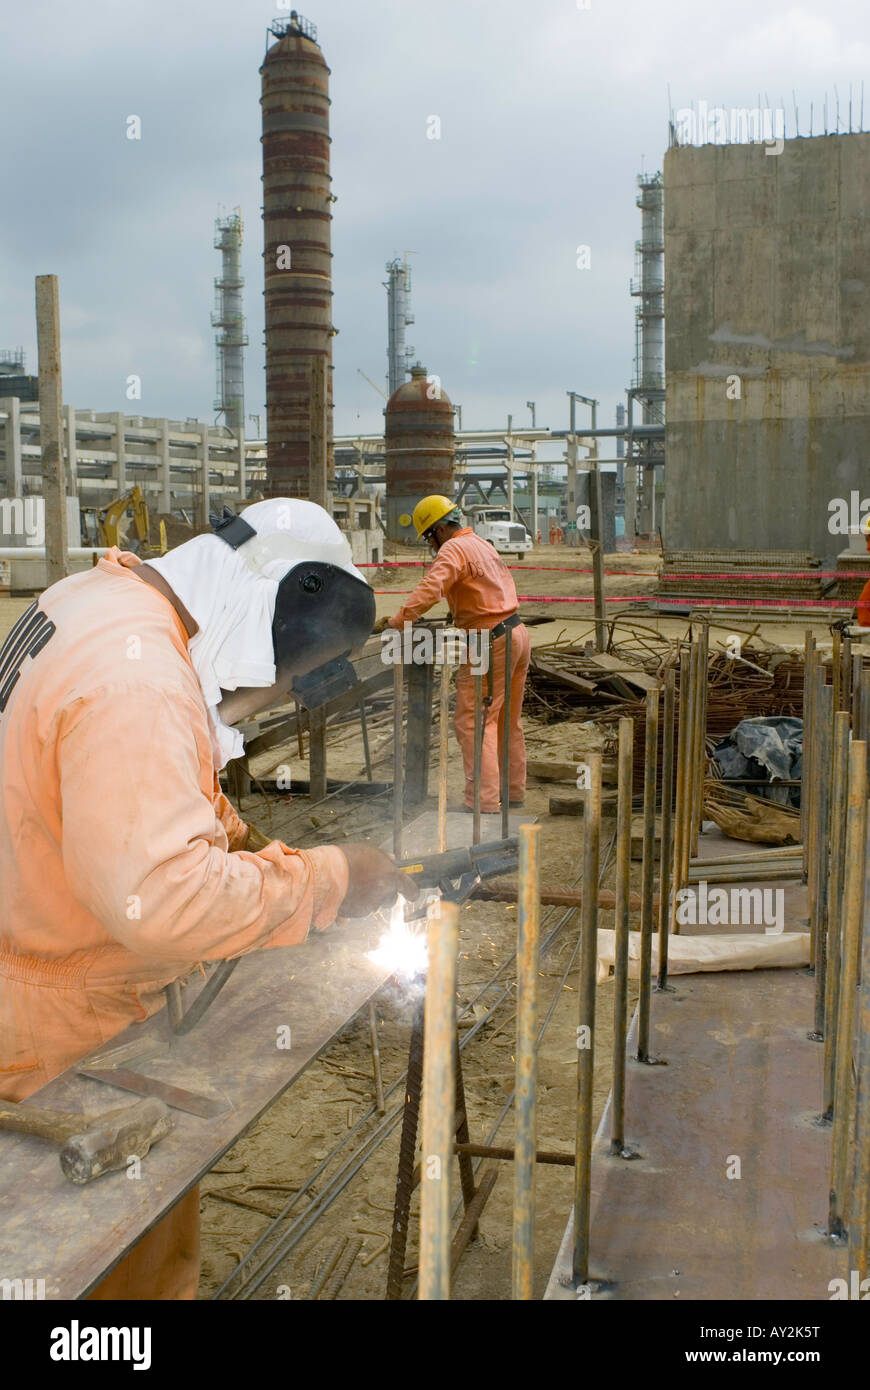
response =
{"points": [[667, 827], [823, 808], [443, 717], [479, 716], [621, 931], [586, 1022], [525, 1142], [859, 1207], [647, 884], [834, 910], [506, 736], [439, 1094], [682, 783], [853, 914], [398, 767]]}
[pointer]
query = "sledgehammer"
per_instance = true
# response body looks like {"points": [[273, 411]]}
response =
{"points": [[92, 1144]]}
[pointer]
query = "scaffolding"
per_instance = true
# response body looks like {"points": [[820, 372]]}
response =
{"points": [[229, 320], [648, 385]]}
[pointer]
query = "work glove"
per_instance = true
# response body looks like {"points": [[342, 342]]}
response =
{"points": [[373, 881]]}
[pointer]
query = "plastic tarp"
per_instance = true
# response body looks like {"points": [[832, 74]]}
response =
{"points": [[765, 748], [687, 955]]}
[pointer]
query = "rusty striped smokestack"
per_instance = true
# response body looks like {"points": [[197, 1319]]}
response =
{"points": [[297, 217]]}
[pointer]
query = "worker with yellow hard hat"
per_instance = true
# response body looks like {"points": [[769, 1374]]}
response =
{"points": [[469, 573]]}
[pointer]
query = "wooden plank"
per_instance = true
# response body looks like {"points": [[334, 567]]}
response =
{"points": [[72, 1237]]}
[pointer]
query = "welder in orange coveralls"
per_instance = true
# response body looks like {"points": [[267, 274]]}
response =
{"points": [[477, 585], [122, 863]]}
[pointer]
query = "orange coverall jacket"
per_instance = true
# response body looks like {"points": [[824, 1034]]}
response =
{"points": [[121, 861], [476, 582]]}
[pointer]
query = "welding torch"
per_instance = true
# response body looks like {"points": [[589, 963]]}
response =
{"points": [[456, 871]]}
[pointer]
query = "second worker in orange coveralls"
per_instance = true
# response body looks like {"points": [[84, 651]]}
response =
{"points": [[477, 585]]}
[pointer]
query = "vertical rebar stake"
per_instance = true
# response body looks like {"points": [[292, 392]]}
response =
{"points": [[525, 1143], [647, 873], [834, 909], [506, 737], [586, 1022], [853, 914], [479, 715], [398, 767], [667, 824], [680, 831], [443, 718], [439, 1097], [621, 930]]}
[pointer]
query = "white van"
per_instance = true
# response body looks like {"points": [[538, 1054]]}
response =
{"points": [[496, 525]]}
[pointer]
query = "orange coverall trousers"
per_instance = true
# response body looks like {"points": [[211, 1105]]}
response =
{"points": [[493, 731]]}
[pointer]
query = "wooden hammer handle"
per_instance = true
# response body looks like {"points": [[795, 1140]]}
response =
{"points": [[57, 1125]]}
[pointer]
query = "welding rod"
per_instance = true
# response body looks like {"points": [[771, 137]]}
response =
{"points": [[853, 913], [586, 1026], [478, 754], [621, 931], [443, 716], [667, 824], [647, 873], [506, 736], [398, 771], [439, 1097], [525, 1143], [834, 910]]}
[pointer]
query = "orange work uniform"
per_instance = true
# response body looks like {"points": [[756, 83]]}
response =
{"points": [[122, 863], [469, 573], [863, 615]]}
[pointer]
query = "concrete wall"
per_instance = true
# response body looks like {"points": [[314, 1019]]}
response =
{"points": [[767, 277]]}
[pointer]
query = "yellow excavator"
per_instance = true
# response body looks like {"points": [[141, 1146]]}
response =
{"points": [[102, 525]]}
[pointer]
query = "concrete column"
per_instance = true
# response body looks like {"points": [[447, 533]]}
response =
{"points": [[164, 497], [14, 472], [534, 489], [204, 485], [72, 453], [51, 426], [631, 471], [121, 451]]}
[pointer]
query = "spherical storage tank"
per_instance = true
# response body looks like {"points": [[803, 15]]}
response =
{"points": [[420, 449]]}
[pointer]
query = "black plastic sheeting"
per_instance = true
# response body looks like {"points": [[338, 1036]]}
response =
{"points": [[766, 749]]}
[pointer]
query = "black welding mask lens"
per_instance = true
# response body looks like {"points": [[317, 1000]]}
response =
{"points": [[321, 612]]}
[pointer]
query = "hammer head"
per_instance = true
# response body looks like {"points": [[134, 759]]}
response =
{"points": [[114, 1138]]}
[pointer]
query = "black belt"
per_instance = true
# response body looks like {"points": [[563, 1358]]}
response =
{"points": [[501, 628], [499, 631]]}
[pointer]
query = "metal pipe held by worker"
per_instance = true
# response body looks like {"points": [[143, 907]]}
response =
{"points": [[525, 1144], [621, 931], [439, 1094], [647, 883], [586, 1022], [853, 915]]}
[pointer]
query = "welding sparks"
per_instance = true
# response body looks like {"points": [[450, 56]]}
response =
{"points": [[402, 949]]}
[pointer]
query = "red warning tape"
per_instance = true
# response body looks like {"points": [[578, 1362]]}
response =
{"points": [[639, 574], [684, 603]]}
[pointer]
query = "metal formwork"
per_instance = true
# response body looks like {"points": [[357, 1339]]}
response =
{"points": [[420, 448], [297, 217]]}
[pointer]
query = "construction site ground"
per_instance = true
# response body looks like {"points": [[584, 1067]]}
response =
{"points": [[255, 1179]]}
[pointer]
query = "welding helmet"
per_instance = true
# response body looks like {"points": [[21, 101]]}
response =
{"points": [[430, 511], [323, 606]]}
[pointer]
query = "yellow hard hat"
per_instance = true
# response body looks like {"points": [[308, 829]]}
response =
{"points": [[430, 511]]}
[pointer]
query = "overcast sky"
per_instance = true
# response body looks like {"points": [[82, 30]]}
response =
{"points": [[548, 111]]}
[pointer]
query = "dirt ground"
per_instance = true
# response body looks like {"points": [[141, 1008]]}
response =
{"points": [[257, 1176]]}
